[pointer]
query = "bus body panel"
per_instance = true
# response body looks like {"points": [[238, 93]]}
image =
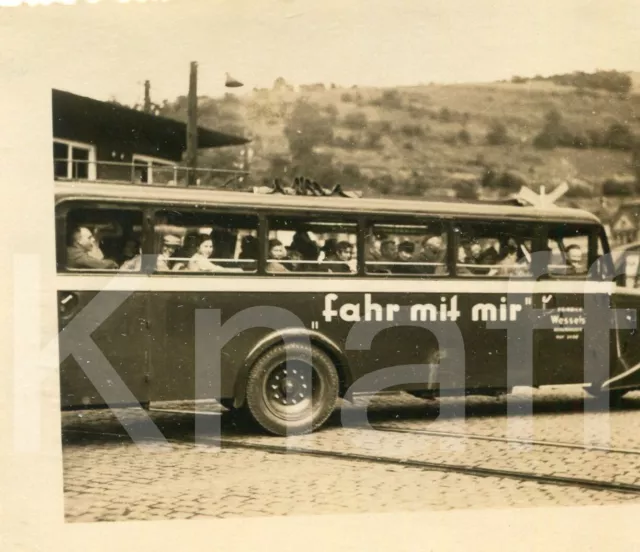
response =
{"points": [[626, 342], [151, 340], [122, 337]]}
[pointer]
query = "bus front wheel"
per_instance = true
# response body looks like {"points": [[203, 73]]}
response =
{"points": [[292, 389]]}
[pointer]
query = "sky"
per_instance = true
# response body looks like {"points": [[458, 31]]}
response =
{"points": [[109, 48]]}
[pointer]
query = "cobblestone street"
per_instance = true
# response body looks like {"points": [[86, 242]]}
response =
{"points": [[107, 477]]}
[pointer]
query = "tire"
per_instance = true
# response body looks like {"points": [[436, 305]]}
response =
{"points": [[278, 395]]}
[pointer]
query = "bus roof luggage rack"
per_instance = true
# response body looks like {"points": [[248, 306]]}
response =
{"points": [[304, 187]]}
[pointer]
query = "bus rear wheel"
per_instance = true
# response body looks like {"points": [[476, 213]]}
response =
{"points": [[292, 389]]}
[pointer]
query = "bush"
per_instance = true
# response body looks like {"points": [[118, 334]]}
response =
{"points": [[512, 181], [349, 143], [579, 189], [553, 133], [412, 130], [497, 134], [465, 189], [385, 127], [307, 128], [596, 138], [507, 182], [372, 140], [390, 99], [383, 185], [346, 97], [418, 112], [617, 188], [451, 140], [356, 120], [332, 112], [351, 171], [619, 137], [464, 137], [445, 116]]}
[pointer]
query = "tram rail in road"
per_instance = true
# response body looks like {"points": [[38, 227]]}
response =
{"points": [[478, 471]]}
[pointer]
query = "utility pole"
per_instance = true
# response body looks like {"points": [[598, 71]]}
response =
{"points": [[147, 97], [192, 126]]}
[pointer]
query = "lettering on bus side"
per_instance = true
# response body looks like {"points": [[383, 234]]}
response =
{"points": [[445, 311]]}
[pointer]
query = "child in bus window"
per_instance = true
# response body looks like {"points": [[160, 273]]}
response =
{"points": [[277, 252], [293, 256]]}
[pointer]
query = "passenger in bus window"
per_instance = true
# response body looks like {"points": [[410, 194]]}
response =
{"points": [[574, 260], [181, 256], [199, 261], [130, 250], [389, 251], [249, 252], [305, 245], [337, 257], [79, 252], [293, 256], [406, 252], [277, 253], [507, 264], [96, 251], [134, 264], [434, 253], [372, 245], [169, 246]]}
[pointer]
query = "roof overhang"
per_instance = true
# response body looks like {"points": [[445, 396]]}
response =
{"points": [[86, 119]]}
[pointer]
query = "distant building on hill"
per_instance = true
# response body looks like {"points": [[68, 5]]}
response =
{"points": [[625, 224]]}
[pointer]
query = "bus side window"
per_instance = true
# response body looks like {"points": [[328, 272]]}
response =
{"points": [[103, 239], [197, 241], [494, 250], [568, 252], [311, 246], [406, 249], [604, 267]]}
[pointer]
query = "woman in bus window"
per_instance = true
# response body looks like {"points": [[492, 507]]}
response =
{"points": [[200, 262]]}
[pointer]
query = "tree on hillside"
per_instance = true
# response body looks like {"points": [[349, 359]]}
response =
{"points": [[635, 162], [619, 136], [307, 128], [553, 133], [498, 134]]}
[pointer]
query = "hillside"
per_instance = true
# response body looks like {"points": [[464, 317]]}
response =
{"points": [[433, 140]]}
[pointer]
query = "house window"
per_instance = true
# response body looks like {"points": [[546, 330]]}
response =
{"points": [[74, 160], [152, 169]]}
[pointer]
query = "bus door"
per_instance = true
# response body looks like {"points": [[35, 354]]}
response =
{"points": [[560, 300], [626, 341], [122, 336]]}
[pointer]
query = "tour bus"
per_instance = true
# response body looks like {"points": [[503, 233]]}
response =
{"points": [[282, 304]]}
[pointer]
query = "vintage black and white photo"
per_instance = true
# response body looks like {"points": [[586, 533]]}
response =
{"points": [[361, 259]]}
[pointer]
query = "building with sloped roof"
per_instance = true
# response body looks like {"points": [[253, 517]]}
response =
{"points": [[625, 224], [96, 140]]}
